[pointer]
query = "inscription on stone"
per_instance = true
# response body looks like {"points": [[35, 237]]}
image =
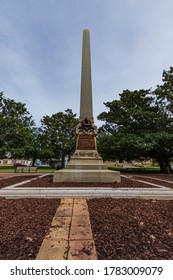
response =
{"points": [[86, 142]]}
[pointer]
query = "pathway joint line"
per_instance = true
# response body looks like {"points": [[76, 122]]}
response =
{"points": [[152, 184], [147, 177], [23, 182]]}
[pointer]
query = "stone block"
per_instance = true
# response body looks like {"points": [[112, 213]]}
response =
{"points": [[82, 250], [80, 220], [64, 212], [58, 233], [80, 201], [61, 221], [86, 163], [81, 175], [53, 250], [67, 201], [80, 233], [80, 209]]}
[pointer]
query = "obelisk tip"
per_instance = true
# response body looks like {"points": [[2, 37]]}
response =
{"points": [[86, 30]]}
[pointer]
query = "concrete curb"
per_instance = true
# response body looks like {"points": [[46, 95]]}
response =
{"points": [[147, 193]]}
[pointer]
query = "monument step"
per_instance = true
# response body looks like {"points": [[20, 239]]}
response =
{"points": [[86, 175], [87, 166], [86, 163]]}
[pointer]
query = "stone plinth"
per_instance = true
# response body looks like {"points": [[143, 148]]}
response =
{"points": [[86, 166], [86, 159], [86, 175], [79, 163]]}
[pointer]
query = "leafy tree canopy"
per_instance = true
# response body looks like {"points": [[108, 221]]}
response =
{"points": [[140, 124], [58, 135], [16, 128]]}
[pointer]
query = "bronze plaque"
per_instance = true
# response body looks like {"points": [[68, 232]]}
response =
{"points": [[86, 142]]}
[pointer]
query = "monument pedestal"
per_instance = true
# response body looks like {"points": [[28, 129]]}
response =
{"points": [[86, 175], [86, 166], [86, 159]]}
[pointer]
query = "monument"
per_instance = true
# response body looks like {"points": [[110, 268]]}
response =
{"points": [[86, 165]]}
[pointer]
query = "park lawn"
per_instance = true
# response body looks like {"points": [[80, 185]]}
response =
{"points": [[146, 169], [11, 169], [7, 169]]}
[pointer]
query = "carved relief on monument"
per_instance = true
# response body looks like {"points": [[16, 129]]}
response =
{"points": [[86, 127], [86, 142], [87, 154]]}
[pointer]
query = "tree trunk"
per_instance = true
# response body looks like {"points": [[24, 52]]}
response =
{"points": [[33, 161], [63, 161], [164, 166]]}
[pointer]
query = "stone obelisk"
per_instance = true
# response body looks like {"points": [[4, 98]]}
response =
{"points": [[86, 165], [86, 131], [86, 106]]}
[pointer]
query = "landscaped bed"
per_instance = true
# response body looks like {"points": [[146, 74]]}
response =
{"points": [[132, 228], [122, 228], [23, 225], [47, 182], [163, 181], [5, 182]]}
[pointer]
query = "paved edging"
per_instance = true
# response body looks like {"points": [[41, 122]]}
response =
{"points": [[70, 235], [147, 193], [15, 192]]}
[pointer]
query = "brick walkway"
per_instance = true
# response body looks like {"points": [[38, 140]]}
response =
{"points": [[70, 235]]}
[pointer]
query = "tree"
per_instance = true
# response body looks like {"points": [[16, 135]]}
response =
{"points": [[34, 147], [58, 135], [16, 128], [140, 124], [117, 146]]}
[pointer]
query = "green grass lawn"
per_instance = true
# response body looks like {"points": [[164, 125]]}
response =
{"points": [[11, 169], [7, 169], [46, 169], [146, 169]]}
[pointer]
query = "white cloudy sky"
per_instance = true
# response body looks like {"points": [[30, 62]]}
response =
{"points": [[41, 41]]}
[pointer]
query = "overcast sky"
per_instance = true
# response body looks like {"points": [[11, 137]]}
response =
{"points": [[41, 47]]}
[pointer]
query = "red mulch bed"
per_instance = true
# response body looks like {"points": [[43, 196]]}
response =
{"points": [[5, 182], [47, 182], [23, 225], [154, 181], [132, 228], [122, 228]]}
